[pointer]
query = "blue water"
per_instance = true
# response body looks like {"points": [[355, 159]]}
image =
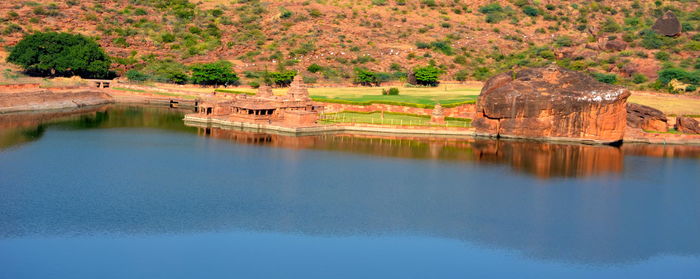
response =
{"points": [[133, 193]]}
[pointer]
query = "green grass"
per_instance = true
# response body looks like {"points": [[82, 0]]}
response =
{"points": [[670, 131], [419, 97], [390, 119]]}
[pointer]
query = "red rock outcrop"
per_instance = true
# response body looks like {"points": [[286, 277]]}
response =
{"points": [[551, 103], [687, 125], [44, 99], [646, 118]]}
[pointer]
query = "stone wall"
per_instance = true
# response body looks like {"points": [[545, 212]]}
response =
{"points": [[462, 111]]}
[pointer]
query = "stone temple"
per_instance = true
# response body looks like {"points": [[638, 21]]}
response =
{"points": [[295, 109]]}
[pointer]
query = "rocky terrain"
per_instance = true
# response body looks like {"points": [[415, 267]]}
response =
{"points": [[468, 39], [551, 103]]}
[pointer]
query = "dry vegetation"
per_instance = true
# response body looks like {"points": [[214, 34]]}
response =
{"points": [[468, 39]]}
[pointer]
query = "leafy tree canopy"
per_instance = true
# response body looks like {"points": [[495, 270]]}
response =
{"points": [[216, 73], [281, 78], [427, 75], [61, 54]]}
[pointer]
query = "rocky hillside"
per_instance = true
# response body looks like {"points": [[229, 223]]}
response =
{"points": [[469, 39]]}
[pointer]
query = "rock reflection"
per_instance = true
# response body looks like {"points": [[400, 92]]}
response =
{"points": [[544, 160]]}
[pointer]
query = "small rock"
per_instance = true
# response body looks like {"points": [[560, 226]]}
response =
{"points": [[687, 125], [616, 45], [646, 118]]}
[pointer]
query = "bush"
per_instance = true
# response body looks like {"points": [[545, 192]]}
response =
{"points": [[61, 54], [606, 78], [461, 75], [666, 75], [134, 75], [563, 41], [639, 78], [531, 11], [663, 56], [217, 73], [610, 26], [314, 68], [691, 88], [393, 91], [427, 75], [651, 40]]}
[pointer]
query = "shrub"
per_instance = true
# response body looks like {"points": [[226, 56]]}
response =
{"points": [[651, 40], [666, 75], [563, 41], [393, 91], [610, 26], [606, 78], [461, 75], [663, 56], [134, 75], [427, 75], [216, 73], [61, 54], [531, 11], [314, 68], [639, 78]]}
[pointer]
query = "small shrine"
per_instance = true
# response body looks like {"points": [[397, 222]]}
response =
{"points": [[293, 109]]}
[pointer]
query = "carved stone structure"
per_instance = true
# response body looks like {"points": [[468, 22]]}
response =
{"points": [[438, 115], [687, 125], [551, 103], [297, 90], [646, 118], [294, 110], [668, 25]]}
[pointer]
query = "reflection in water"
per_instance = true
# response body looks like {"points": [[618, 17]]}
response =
{"points": [[598, 210], [543, 160], [21, 128]]}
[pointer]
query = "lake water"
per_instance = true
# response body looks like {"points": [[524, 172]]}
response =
{"points": [[131, 192]]}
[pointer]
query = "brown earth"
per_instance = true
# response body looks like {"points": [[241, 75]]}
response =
{"points": [[551, 103], [258, 35]]}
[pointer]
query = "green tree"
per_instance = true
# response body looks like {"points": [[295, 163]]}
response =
{"points": [[366, 77], [427, 75], [281, 78], [61, 54], [217, 73]]}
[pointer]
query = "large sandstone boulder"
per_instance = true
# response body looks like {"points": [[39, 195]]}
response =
{"points": [[687, 125], [668, 25], [646, 118], [551, 103]]}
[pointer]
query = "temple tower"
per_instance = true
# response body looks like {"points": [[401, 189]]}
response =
{"points": [[297, 90]]}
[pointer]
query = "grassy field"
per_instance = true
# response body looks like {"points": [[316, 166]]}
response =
{"points": [[390, 119], [444, 94], [426, 96], [673, 105]]}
